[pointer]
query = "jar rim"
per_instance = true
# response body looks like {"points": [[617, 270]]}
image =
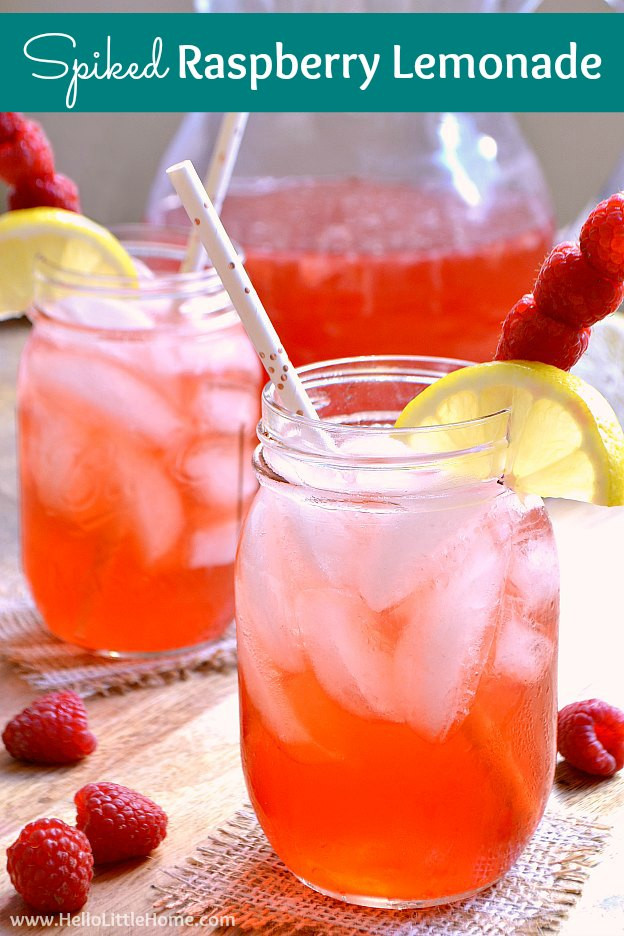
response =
{"points": [[142, 239], [143, 242], [321, 439]]}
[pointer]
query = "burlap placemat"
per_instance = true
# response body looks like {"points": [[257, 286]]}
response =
{"points": [[49, 664], [235, 874]]}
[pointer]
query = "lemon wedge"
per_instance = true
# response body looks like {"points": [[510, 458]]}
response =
{"points": [[565, 440], [67, 239]]}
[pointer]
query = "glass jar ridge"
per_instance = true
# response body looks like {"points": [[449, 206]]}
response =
{"points": [[168, 298], [354, 446]]}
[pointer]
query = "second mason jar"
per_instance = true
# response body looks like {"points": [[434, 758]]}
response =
{"points": [[138, 401], [397, 615]]}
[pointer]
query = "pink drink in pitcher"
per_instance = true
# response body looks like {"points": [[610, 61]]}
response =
{"points": [[357, 267]]}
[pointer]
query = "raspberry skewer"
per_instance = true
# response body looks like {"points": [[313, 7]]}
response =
{"points": [[577, 286], [27, 165]]}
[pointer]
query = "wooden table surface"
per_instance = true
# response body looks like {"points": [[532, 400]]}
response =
{"points": [[179, 743]]}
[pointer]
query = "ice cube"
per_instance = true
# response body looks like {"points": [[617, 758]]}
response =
{"points": [[351, 546], [523, 653], [266, 618], [533, 572], [89, 475], [226, 408], [106, 314], [219, 473], [386, 450], [319, 543], [306, 473], [213, 544], [374, 444], [398, 547], [144, 272], [149, 503], [450, 623], [267, 693], [313, 270], [343, 474], [102, 389], [350, 652], [69, 468], [220, 353], [232, 352], [380, 550], [266, 592]]}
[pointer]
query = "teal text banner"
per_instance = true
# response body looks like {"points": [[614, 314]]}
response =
{"points": [[311, 62]]}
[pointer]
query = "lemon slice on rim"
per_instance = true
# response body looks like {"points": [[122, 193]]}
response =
{"points": [[67, 239], [565, 440]]}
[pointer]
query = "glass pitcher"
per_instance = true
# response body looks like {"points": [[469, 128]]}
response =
{"points": [[378, 233]]}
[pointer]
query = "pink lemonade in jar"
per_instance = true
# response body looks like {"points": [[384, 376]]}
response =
{"points": [[361, 267], [397, 638], [137, 414]]}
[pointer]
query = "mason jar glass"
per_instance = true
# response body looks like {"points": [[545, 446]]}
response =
{"points": [[397, 614], [138, 401]]}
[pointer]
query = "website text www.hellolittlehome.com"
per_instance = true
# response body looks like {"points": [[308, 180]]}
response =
{"points": [[88, 922]]}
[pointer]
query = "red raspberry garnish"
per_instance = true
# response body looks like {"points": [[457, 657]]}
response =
{"points": [[50, 864], [26, 155], [590, 735], [53, 730], [527, 335], [602, 237], [120, 823], [570, 289], [10, 124], [56, 191]]}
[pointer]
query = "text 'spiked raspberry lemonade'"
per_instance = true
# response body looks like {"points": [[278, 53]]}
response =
{"points": [[398, 594], [138, 401]]}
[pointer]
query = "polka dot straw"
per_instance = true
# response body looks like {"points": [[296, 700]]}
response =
{"points": [[239, 287], [217, 180]]}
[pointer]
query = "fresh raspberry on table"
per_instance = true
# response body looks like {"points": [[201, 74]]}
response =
{"points": [[10, 124], [51, 865], [569, 288], [119, 823], [602, 237], [56, 191], [27, 154], [590, 735], [527, 335], [53, 730]]}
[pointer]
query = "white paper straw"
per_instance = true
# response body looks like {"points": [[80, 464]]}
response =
{"points": [[217, 181], [240, 289]]}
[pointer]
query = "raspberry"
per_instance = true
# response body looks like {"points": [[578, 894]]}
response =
{"points": [[56, 191], [590, 736], [10, 124], [602, 237], [527, 335], [119, 822], [26, 155], [53, 730], [27, 164], [570, 290], [51, 865]]}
